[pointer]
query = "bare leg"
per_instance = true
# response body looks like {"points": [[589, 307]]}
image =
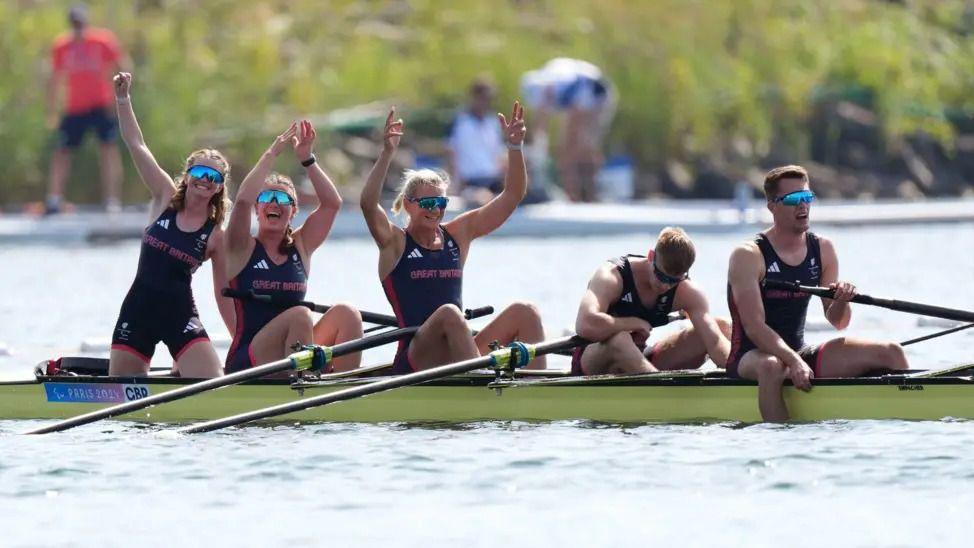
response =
{"points": [[617, 354], [274, 341], [770, 374], [684, 349], [60, 167], [199, 361], [111, 173], [341, 323], [848, 357], [126, 364], [443, 338], [517, 322]]}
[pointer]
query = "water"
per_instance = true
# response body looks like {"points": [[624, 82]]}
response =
{"points": [[570, 483]]}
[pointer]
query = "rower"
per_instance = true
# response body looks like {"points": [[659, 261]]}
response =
{"points": [[421, 265], [277, 262], [183, 232], [769, 325], [628, 296]]}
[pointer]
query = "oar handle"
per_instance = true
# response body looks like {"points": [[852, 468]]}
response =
{"points": [[472, 313], [891, 304]]}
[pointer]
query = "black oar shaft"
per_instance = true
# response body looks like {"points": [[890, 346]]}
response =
{"points": [[218, 382], [372, 388], [278, 300], [891, 304], [937, 334]]}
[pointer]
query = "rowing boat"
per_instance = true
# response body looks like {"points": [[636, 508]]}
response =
{"points": [[675, 396]]}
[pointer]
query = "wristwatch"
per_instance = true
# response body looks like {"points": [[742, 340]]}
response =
{"points": [[310, 161]]}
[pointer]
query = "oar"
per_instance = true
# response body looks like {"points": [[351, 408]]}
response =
{"points": [[518, 354], [314, 358], [277, 300], [891, 304], [937, 334]]}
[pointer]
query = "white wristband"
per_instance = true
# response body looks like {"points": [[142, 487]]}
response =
{"points": [[513, 147], [121, 100]]}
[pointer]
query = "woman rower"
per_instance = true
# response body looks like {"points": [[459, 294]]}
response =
{"points": [[184, 232], [421, 265], [277, 262]]}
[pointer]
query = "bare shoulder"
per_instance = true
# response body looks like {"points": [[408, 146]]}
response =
{"points": [[690, 295], [745, 253]]}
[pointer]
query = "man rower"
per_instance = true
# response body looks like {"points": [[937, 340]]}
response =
{"points": [[630, 295], [769, 324]]}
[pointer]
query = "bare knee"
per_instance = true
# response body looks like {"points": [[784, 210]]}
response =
{"points": [[449, 318], [620, 343], [894, 356], [525, 311], [298, 316], [346, 312]]}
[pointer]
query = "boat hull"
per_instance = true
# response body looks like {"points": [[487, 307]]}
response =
{"points": [[700, 399]]}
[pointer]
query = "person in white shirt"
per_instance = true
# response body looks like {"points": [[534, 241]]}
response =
{"points": [[476, 147]]}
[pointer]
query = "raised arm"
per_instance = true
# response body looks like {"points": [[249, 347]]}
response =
{"points": [[381, 228], [489, 217], [318, 224], [159, 183], [593, 321], [695, 304], [238, 239]]}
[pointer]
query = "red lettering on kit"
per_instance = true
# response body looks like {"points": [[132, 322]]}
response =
{"points": [[152, 241], [450, 273], [422, 274]]}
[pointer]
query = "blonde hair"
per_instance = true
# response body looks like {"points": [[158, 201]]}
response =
{"points": [[280, 179], [219, 202], [413, 179], [674, 251]]}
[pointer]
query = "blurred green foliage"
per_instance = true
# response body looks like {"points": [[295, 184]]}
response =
{"points": [[692, 75]]}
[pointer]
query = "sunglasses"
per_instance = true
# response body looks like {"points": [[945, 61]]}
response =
{"points": [[279, 196], [665, 278], [797, 197], [430, 203], [200, 171]]}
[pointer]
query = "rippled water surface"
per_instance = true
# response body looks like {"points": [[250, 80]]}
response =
{"points": [[861, 483]]}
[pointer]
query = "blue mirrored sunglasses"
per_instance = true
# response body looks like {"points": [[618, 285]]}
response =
{"points": [[797, 197], [431, 202], [200, 171], [665, 278], [279, 196]]}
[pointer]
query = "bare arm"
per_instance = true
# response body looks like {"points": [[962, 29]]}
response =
{"points": [[158, 182], [238, 239], [488, 218], [746, 266], [317, 226], [382, 229], [53, 86], [217, 252], [593, 321], [837, 312], [694, 303]]}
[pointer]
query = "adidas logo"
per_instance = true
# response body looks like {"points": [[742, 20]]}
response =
{"points": [[190, 327], [261, 265], [627, 298], [415, 254], [164, 223], [774, 267]]}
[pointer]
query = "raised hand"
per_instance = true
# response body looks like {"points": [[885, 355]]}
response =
{"points": [[393, 130], [122, 83], [284, 140], [515, 130], [304, 140]]}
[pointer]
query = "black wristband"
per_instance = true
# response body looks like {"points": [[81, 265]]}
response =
{"points": [[310, 161]]}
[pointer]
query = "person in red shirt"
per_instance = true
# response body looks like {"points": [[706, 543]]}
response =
{"points": [[83, 61]]}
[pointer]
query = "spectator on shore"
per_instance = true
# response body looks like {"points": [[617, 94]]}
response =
{"points": [[578, 92], [82, 62], [475, 147]]}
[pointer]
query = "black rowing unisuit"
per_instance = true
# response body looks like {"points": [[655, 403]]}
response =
{"points": [[784, 311]]}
